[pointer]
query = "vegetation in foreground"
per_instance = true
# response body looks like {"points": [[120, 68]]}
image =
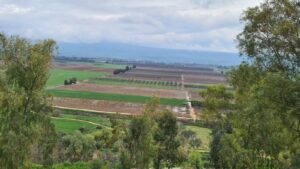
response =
{"points": [[113, 97]]}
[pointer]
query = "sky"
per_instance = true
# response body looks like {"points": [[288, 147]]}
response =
{"points": [[205, 25]]}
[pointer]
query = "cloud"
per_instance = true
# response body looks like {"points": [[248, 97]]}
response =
{"points": [[186, 24]]}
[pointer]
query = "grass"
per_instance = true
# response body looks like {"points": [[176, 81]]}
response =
{"points": [[110, 66], [70, 126], [58, 76], [202, 133], [113, 97], [95, 119]]}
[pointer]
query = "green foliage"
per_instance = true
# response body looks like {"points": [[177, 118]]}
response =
{"points": [[24, 106], [263, 129], [216, 104], [167, 142], [139, 142], [271, 35], [78, 147], [113, 97]]}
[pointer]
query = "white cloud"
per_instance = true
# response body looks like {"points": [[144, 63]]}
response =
{"points": [[187, 24]]}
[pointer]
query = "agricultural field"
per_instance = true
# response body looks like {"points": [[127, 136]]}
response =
{"points": [[66, 125], [125, 90], [110, 65], [113, 97], [188, 75], [100, 90], [57, 76]]}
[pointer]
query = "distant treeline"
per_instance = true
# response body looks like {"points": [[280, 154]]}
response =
{"points": [[74, 59]]}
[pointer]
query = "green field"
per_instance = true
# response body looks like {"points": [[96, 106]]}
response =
{"points": [[110, 66], [69, 126], [113, 97], [58, 76], [203, 133]]}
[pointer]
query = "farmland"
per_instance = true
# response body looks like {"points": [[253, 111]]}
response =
{"points": [[112, 97], [57, 76], [127, 90], [110, 66], [69, 126], [102, 90]]}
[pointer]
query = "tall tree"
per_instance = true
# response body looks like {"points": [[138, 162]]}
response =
{"points": [[24, 105], [265, 121], [167, 141], [271, 36]]}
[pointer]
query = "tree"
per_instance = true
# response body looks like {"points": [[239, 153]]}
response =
{"points": [[78, 147], [24, 106], [139, 142], [217, 104], [271, 36], [167, 141], [265, 125], [138, 145]]}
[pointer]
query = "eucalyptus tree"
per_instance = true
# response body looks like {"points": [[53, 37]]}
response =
{"points": [[23, 103]]}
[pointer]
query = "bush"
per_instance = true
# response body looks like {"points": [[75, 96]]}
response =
{"points": [[73, 80], [99, 127]]}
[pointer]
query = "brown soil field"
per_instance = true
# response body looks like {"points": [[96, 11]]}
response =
{"points": [[194, 94], [177, 71], [105, 106], [81, 67], [89, 68], [163, 93], [204, 79]]}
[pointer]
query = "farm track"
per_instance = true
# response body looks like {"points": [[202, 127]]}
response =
{"points": [[70, 119]]}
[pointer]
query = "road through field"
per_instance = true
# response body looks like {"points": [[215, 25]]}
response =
{"points": [[188, 98]]}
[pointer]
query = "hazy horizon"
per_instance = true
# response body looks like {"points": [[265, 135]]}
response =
{"points": [[202, 25]]}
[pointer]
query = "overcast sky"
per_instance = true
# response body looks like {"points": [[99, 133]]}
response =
{"points": [[209, 25]]}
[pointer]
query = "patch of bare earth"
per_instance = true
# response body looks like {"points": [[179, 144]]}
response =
{"points": [[204, 79], [89, 68], [163, 93]]}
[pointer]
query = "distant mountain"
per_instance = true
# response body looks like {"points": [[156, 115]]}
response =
{"points": [[140, 53]]}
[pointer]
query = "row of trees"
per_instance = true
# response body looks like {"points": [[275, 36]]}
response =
{"points": [[258, 126], [127, 68]]}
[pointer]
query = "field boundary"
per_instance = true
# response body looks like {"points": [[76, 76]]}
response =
{"points": [[85, 121], [111, 113]]}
